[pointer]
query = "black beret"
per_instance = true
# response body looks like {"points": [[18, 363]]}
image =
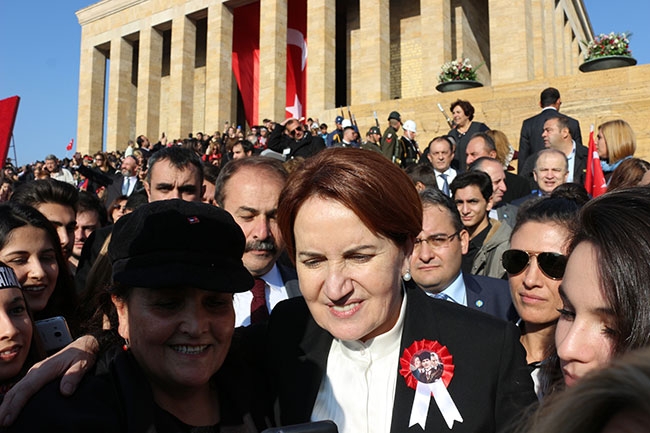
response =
{"points": [[176, 243]]}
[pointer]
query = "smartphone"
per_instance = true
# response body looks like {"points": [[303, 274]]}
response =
{"points": [[310, 427], [54, 333]]}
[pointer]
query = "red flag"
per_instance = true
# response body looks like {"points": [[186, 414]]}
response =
{"points": [[595, 183], [296, 59], [8, 111], [69, 146], [246, 57]]}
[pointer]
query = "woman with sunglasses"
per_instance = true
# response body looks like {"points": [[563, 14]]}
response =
{"points": [[535, 264]]}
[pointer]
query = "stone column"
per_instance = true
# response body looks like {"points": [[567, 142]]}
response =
{"points": [[119, 91], [181, 74], [218, 68], [370, 54], [273, 60], [92, 82], [321, 65], [510, 45], [149, 74], [435, 18]]}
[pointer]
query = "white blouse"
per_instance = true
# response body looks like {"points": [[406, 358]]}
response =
{"points": [[358, 390]]}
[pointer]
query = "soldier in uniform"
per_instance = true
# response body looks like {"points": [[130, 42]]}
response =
{"points": [[389, 140], [409, 152], [373, 137]]}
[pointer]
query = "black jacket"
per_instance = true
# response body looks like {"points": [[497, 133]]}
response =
{"points": [[491, 385], [308, 146]]}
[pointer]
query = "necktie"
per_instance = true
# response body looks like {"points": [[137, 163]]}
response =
{"points": [[125, 185], [444, 296], [259, 310], [445, 184]]}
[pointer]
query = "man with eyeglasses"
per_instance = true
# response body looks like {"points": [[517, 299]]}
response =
{"points": [[290, 139], [437, 257]]}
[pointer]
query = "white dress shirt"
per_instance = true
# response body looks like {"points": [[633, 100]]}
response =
{"points": [[572, 162], [361, 379], [275, 292], [456, 291], [451, 175]]}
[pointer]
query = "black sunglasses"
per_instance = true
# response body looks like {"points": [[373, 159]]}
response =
{"points": [[551, 264], [293, 132]]}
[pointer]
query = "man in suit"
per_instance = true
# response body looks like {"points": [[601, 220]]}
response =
{"points": [[437, 257], [551, 170], [501, 210], [513, 187], [557, 135], [249, 190], [441, 155], [126, 182], [530, 139]]}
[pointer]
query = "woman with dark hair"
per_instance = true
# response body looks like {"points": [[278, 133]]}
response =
{"points": [[628, 173], [20, 346], [464, 127], [605, 290], [30, 245], [117, 208], [173, 300], [535, 264]]}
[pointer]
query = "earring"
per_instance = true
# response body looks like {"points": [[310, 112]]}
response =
{"points": [[407, 276], [127, 344]]}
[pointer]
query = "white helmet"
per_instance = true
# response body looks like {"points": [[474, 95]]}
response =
{"points": [[409, 125]]}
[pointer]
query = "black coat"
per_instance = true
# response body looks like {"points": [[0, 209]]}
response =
{"points": [[491, 385], [530, 139], [121, 400], [308, 146]]}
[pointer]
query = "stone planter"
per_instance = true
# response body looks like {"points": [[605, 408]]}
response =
{"points": [[450, 86], [607, 62]]}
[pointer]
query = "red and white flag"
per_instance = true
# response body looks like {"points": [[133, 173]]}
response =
{"points": [[70, 145], [595, 183], [296, 59]]}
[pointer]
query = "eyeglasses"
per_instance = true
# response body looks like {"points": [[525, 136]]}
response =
{"points": [[551, 264], [436, 241], [293, 131], [99, 159]]}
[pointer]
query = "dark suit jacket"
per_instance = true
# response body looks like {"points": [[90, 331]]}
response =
{"points": [[517, 187], [290, 279], [490, 295], [530, 139], [579, 167], [491, 384], [114, 190]]}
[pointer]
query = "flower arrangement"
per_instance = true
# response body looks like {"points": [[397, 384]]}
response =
{"points": [[613, 44], [458, 70]]}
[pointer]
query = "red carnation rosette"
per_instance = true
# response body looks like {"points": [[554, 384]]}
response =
{"points": [[426, 346]]}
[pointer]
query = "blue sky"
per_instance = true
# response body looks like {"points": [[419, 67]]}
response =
{"points": [[39, 55]]}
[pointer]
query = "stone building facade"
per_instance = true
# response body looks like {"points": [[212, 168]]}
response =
{"points": [[166, 65]]}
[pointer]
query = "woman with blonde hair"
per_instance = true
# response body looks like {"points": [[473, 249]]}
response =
{"points": [[616, 142]]}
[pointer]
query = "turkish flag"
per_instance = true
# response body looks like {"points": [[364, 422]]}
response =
{"points": [[296, 59], [246, 57], [8, 111], [595, 183], [69, 146]]}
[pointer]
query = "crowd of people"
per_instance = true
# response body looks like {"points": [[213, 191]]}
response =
{"points": [[387, 286]]}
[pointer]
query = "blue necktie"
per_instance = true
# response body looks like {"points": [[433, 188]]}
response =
{"points": [[445, 184], [445, 297], [126, 185]]}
